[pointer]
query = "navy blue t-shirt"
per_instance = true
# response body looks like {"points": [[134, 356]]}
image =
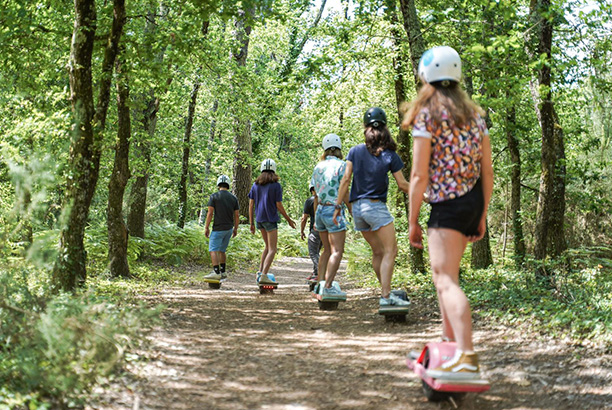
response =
{"points": [[370, 173], [266, 197]]}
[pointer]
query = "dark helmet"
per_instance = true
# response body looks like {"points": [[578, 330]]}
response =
{"points": [[375, 117]]}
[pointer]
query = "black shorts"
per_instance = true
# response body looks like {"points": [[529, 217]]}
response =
{"points": [[461, 214]]}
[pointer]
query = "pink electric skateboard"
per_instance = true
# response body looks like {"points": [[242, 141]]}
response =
{"points": [[432, 356]]}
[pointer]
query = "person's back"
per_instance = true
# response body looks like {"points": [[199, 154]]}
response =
{"points": [[224, 203], [371, 172]]}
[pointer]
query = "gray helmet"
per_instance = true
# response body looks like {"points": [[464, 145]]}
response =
{"points": [[375, 117]]}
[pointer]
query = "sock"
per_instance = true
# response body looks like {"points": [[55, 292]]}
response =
{"points": [[223, 268], [216, 268]]}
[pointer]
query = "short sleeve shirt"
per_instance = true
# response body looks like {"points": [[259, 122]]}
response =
{"points": [[326, 179], [309, 210], [266, 197], [454, 166], [371, 173], [224, 203]]}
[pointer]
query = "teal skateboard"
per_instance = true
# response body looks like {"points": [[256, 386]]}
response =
{"points": [[326, 302], [395, 314]]}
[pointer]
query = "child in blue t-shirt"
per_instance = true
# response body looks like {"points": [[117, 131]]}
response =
{"points": [[368, 166], [265, 201]]}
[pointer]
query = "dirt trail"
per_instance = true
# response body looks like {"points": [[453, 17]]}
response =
{"points": [[234, 349]]}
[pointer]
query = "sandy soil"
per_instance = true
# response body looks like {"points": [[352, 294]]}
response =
{"points": [[234, 349]]}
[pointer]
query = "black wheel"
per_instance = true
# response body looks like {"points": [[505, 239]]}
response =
{"points": [[434, 395], [214, 285], [395, 318], [328, 305], [263, 291], [312, 286]]}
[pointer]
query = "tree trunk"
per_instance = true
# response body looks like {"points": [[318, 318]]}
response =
{"points": [[242, 127], [481, 252], [186, 149], [400, 64], [69, 270], [515, 182], [117, 231], [550, 214], [142, 150], [208, 162], [412, 26]]}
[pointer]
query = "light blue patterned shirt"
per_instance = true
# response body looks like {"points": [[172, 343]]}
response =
{"points": [[326, 179]]}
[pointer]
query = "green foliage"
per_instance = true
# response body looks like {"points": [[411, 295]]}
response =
{"points": [[55, 349]]}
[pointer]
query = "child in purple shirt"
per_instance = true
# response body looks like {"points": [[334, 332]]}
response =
{"points": [[265, 203]]}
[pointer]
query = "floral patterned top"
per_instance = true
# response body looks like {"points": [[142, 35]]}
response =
{"points": [[326, 179], [456, 152]]}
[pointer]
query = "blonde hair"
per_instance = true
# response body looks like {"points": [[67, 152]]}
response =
{"points": [[437, 98]]}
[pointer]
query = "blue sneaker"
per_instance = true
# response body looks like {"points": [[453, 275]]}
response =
{"points": [[333, 294], [392, 304]]}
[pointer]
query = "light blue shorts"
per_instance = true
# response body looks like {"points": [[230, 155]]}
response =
{"points": [[324, 220], [369, 215], [219, 240]]}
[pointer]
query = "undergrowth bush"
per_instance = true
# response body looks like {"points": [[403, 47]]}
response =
{"points": [[574, 302], [55, 349]]}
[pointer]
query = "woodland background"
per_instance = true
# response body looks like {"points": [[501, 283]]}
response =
{"points": [[117, 117]]}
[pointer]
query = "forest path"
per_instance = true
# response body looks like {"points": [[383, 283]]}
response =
{"points": [[234, 349]]}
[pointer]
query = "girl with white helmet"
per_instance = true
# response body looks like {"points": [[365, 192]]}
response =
{"points": [[265, 203], [368, 166], [452, 168], [224, 206], [326, 179]]}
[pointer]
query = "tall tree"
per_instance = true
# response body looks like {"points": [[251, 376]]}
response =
{"points": [[186, 149], [412, 27], [142, 147], [549, 230], [117, 230], [243, 149], [88, 126]]}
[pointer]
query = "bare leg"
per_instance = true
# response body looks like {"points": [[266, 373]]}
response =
{"points": [[336, 241], [271, 246], [377, 251], [264, 254], [222, 257], [324, 258], [214, 257], [384, 240], [446, 247]]}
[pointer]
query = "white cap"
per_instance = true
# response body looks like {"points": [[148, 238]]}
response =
{"points": [[439, 64], [332, 141], [223, 179], [268, 164]]}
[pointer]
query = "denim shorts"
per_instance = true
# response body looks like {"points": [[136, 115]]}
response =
{"points": [[324, 220], [219, 240], [370, 215], [268, 226], [460, 214]]}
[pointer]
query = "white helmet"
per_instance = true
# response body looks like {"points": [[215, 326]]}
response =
{"points": [[331, 141], [223, 179], [439, 64], [268, 165]]}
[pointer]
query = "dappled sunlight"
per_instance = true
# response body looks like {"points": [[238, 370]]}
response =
{"points": [[235, 349]]}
